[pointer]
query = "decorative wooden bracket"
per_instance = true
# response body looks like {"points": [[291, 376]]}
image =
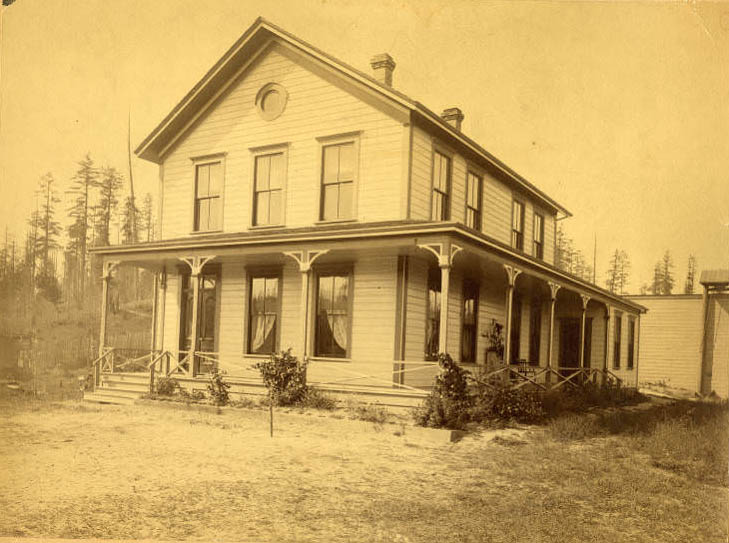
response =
{"points": [[585, 301], [196, 263], [554, 289], [305, 258], [445, 258], [108, 269], [512, 273]]}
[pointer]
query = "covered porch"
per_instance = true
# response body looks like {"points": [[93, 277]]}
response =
{"points": [[367, 308]]}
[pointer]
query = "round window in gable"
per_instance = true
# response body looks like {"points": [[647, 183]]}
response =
{"points": [[271, 101]]}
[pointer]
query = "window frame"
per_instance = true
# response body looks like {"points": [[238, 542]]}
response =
{"points": [[535, 331], [204, 160], [433, 278], [630, 362], [184, 273], [617, 340], [329, 271], [266, 150], [519, 201], [326, 141], [467, 285], [479, 175], [538, 247], [446, 210], [260, 273]]}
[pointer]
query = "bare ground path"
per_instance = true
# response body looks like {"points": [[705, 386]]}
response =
{"points": [[136, 472]]}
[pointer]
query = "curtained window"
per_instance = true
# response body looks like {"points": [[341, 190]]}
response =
{"points": [[264, 314], [333, 315]]}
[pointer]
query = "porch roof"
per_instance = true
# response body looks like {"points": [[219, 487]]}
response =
{"points": [[376, 234]]}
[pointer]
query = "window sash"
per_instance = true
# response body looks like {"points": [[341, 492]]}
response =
{"points": [[264, 313], [208, 201], [473, 201], [333, 323], [441, 187], [538, 236], [631, 343], [469, 338], [616, 342], [432, 321], [337, 181], [268, 189], [517, 225]]}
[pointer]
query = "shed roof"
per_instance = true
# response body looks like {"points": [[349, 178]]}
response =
{"points": [[715, 277]]}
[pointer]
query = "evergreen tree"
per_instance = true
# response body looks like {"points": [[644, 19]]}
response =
{"points": [[688, 287], [49, 228], [130, 220], [83, 183], [618, 274], [667, 274], [110, 183], [657, 284], [148, 217]]}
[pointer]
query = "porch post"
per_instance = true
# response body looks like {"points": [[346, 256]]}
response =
{"points": [[512, 273], [585, 301], [107, 270], [553, 289], [162, 303], [155, 308], [607, 344], [305, 259], [445, 281]]}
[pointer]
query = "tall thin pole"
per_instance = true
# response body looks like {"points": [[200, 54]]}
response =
{"points": [[131, 179], [594, 261]]}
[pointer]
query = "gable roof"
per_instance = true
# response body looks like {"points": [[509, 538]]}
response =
{"points": [[258, 35]]}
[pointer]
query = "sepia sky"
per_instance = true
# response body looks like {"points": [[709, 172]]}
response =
{"points": [[618, 110]]}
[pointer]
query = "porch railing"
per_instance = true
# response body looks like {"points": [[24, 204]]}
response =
{"points": [[546, 378]]}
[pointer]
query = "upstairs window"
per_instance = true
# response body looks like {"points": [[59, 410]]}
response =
{"points": [[264, 309], [208, 201], [337, 181], [441, 187], [616, 340], [517, 225], [268, 189], [473, 201], [538, 236]]}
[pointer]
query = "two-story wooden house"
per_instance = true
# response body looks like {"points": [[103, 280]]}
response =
{"points": [[306, 204]]}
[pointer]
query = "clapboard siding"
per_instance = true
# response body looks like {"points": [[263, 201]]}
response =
{"points": [[417, 300], [373, 317], [316, 108], [171, 319], [670, 341], [421, 174]]}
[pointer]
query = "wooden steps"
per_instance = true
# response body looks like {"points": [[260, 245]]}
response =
{"points": [[119, 388]]}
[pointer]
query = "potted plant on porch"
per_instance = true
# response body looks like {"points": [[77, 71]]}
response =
{"points": [[495, 348]]}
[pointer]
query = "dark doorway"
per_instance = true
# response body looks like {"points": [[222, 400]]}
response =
{"points": [[206, 316], [569, 343]]}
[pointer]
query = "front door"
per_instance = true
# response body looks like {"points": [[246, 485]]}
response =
{"points": [[569, 343], [207, 304]]}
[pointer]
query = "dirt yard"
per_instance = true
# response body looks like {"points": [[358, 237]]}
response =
{"points": [[79, 471]]}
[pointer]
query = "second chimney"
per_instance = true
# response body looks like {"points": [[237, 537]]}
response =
{"points": [[453, 116], [383, 65]]}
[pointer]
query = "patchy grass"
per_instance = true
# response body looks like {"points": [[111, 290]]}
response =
{"points": [[145, 472]]}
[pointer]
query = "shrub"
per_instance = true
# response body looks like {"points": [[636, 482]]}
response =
{"points": [[284, 377], [218, 388], [449, 401], [166, 386], [370, 413], [316, 399], [194, 396], [502, 402]]}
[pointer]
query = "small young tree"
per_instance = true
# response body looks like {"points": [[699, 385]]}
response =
{"points": [[688, 287]]}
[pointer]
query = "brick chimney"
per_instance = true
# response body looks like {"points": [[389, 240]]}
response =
{"points": [[382, 67], [453, 116]]}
